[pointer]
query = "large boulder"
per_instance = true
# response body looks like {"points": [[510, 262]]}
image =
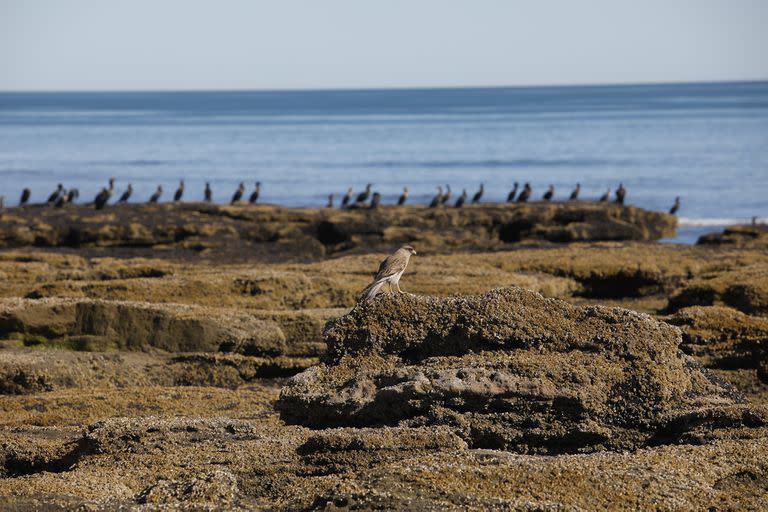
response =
{"points": [[512, 370]]}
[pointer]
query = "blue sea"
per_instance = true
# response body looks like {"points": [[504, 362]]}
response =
{"points": [[707, 143]]}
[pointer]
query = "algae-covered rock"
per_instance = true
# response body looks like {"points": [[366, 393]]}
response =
{"points": [[511, 370]]}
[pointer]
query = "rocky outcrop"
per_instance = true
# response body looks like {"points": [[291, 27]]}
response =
{"points": [[724, 338], [753, 236], [126, 325], [512, 370], [274, 233], [745, 289]]}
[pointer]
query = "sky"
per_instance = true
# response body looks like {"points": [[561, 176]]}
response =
{"points": [[320, 44]]}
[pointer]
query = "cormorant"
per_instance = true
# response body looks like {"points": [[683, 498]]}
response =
{"points": [[255, 196], [2, 202], [347, 198], [462, 198], [437, 200], [525, 194], [330, 201], [478, 195], [156, 196], [512, 193], [604, 198], [363, 196], [62, 200], [675, 206], [238, 193], [126, 194], [179, 192], [56, 193], [549, 194], [101, 198], [621, 193], [72, 195], [375, 200], [403, 197], [25, 196], [575, 193], [447, 194], [208, 193]]}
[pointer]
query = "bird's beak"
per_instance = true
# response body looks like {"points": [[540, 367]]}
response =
{"points": [[414, 251]]}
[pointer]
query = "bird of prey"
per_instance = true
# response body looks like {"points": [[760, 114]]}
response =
{"points": [[238, 193], [156, 196], [462, 199], [575, 193], [604, 198], [347, 198], [208, 193], [549, 194], [437, 200], [256, 193], [389, 272], [525, 194], [621, 192], [363, 196], [675, 206], [179, 192], [25, 196], [403, 197], [126, 195], [512, 194], [478, 194], [56, 193]]}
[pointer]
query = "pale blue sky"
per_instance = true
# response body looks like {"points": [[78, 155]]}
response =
{"points": [[298, 44]]}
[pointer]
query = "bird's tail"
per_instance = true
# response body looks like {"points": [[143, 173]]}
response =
{"points": [[372, 289]]}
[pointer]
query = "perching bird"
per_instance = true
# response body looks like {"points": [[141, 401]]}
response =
{"points": [[126, 195], [208, 193], [390, 271], [604, 198], [179, 192], [363, 196], [478, 195], [375, 200], [330, 201], [512, 193], [462, 199], [549, 194], [347, 198], [437, 200], [238, 193], [256, 193], [525, 194], [621, 193], [72, 195], [156, 196], [25, 196], [575, 193], [447, 194], [675, 206], [56, 193], [403, 197]]}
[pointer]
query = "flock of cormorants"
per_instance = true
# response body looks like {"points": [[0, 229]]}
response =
{"points": [[365, 199]]}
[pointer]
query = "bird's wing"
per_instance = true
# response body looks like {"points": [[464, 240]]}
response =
{"points": [[392, 265]]}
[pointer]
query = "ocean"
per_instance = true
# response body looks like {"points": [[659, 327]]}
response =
{"points": [[707, 143]]}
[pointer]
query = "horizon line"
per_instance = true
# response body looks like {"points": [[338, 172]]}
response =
{"points": [[395, 88]]}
